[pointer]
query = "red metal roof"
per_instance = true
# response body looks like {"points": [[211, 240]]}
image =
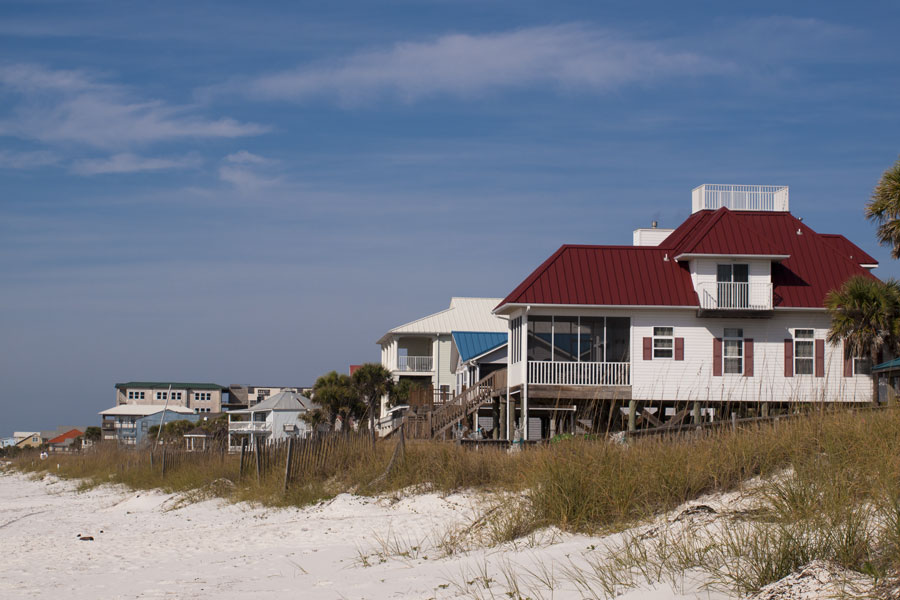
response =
{"points": [[608, 275], [641, 275], [849, 249], [72, 433]]}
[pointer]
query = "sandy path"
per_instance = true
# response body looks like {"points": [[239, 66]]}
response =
{"points": [[145, 546]]}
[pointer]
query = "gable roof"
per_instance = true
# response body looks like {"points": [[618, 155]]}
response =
{"points": [[649, 276], [282, 401], [471, 344], [464, 314], [71, 434]]}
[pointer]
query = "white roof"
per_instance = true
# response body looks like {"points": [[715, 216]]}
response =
{"points": [[142, 410], [289, 401], [464, 314]]}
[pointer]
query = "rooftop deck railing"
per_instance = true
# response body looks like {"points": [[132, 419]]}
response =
{"points": [[718, 295], [712, 196], [546, 372]]}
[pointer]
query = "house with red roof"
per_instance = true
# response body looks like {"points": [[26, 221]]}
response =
{"points": [[723, 315], [66, 442]]}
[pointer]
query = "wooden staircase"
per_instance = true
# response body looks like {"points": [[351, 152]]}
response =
{"points": [[437, 422]]}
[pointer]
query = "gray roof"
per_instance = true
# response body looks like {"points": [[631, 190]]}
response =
{"points": [[284, 401]]}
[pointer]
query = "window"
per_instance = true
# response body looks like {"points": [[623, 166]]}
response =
{"points": [[579, 339], [131, 395], [202, 396], [732, 285], [862, 366], [145, 426], [516, 340], [663, 342], [176, 395], [161, 395], [804, 351], [733, 355]]}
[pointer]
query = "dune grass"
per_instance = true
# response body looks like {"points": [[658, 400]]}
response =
{"points": [[828, 488]]}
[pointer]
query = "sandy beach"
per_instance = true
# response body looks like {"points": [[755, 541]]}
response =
{"points": [[156, 545]]}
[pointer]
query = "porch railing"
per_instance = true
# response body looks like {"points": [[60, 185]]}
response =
{"points": [[719, 295], [249, 426], [417, 364], [547, 372]]}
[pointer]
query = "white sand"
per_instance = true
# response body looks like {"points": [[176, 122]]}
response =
{"points": [[150, 545]]}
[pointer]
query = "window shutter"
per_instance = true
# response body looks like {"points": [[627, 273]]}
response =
{"points": [[717, 357], [848, 361], [820, 358], [788, 357], [648, 348], [679, 348], [748, 358]]}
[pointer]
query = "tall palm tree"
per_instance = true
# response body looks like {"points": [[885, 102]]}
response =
{"points": [[884, 209], [372, 381], [865, 315]]}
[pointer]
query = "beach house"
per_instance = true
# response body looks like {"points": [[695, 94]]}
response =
{"points": [[274, 419], [421, 351], [201, 398], [129, 424], [723, 314]]}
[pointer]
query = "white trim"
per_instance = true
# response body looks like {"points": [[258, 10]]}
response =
{"points": [[869, 266], [692, 255]]}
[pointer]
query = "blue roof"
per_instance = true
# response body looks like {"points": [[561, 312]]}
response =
{"points": [[475, 343], [889, 365]]}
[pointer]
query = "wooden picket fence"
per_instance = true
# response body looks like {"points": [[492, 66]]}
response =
{"points": [[297, 459]]}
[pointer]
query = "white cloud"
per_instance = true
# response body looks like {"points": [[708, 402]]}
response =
{"points": [[468, 65], [130, 163], [27, 160], [242, 157], [58, 106]]}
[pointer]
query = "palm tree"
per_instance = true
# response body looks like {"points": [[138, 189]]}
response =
{"points": [[372, 381], [865, 315], [335, 394], [884, 209]]}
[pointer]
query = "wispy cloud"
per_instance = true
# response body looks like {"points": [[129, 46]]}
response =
{"points": [[464, 65], [249, 173], [65, 106], [27, 160], [130, 163]]}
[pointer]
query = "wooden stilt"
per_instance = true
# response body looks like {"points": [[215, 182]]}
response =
{"points": [[632, 415], [696, 416]]}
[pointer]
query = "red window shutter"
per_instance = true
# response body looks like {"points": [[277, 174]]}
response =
{"points": [[717, 357], [748, 358], [788, 357], [648, 348], [848, 362], [820, 358], [679, 348]]}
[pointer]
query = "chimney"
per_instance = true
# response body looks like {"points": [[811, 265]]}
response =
{"points": [[654, 224]]}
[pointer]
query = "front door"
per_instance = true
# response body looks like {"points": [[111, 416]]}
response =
{"points": [[733, 285]]}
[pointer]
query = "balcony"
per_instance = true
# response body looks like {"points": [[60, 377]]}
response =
{"points": [[734, 298], [415, 364], [249, 427], [547, 372]]}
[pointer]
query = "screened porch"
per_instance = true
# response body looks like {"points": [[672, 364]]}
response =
{"points": [[589, 351]]}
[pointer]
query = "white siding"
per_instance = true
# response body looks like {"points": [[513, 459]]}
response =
{"points": [[692, 378]]}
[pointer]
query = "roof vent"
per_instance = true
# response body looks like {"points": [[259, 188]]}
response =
{"points": [[712, 196]]}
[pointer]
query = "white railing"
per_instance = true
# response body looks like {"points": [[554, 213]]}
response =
{"points": [[717, 295], [414, 363], [121, 425], [711, 196], [579, 373], [248, 426]]}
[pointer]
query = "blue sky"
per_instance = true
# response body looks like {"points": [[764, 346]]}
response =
{"points": [[254, 194]]}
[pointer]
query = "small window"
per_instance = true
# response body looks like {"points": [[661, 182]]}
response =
{"points": [[804, 349], [733, 355], [142, 395], [663, 342], [862, 366]]}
